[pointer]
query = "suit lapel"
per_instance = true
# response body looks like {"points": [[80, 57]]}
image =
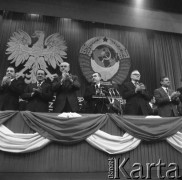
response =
{"points": [[43, 84], [132, 85], [34, 85], [163, 92], [170, 91]]}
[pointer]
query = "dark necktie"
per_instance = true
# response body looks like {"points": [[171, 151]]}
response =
{"points": [[97, 91], [136, 83], [38, 84]]}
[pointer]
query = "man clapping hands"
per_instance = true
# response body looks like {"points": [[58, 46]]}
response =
{"points": [[10, 90], [166, 99]]}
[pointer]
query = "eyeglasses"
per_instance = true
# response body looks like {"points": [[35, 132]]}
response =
{"points": [[64, 66]]}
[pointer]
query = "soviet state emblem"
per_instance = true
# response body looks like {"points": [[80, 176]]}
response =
{"points": [[106, 56]]}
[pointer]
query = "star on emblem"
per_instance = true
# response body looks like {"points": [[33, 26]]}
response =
{"points": [[105, 39]]}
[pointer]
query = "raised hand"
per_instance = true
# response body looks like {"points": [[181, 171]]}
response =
{"points": [[6, 81], [37, 90], [175, 94]]}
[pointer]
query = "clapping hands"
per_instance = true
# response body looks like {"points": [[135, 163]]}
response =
{"points": [[36, 91], [175, 95], [6, 81], [66, 76], [140, 87]]}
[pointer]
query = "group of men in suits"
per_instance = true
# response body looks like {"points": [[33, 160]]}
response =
{"points": [[138, 99], [39, 94], [99, 98]]}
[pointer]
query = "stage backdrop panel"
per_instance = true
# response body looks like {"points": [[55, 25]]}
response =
{"points": [[153, 53]]}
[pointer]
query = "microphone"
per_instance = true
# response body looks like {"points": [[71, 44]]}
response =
{"points": [[117, 92]]}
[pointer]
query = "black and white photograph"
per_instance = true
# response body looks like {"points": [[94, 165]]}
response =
{"points": [[90, 89]]}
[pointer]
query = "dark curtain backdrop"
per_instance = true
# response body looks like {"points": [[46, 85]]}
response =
{"points": [[153, 53]]}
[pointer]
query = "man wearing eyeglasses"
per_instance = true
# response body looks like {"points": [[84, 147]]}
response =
{"points": [[136, 95], [166, 99], [65, 87]]}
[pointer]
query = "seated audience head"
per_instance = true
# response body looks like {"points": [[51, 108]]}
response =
{"points": [[165, 82], [135, 75], [64, 67], [96, 78], [40, 75], [10, 72]]}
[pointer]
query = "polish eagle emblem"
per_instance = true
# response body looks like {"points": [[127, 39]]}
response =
{"points": [[38, 55]]}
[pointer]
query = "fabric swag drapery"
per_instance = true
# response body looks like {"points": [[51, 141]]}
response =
{"points": [[50, 127]]}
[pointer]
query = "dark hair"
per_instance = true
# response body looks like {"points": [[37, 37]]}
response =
{"points": [[41, 70], [98, 74], [11, 67], [162, 79]]}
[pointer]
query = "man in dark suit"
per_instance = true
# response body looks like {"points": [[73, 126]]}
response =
{"points": [[136, 95], [38, 94], [179, 107], [166, 99], [153, 107], [65, 87], [96, 97], [10, 90]]}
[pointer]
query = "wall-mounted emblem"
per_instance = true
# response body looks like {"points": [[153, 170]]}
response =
{"points": [[106, 56], [41, 54]]}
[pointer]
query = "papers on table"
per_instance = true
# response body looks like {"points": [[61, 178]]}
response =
{"points": [[153, 117], [69, 115]]}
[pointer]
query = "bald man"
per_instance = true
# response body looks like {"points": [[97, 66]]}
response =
{"points": [[65, 87], [136, 95]]}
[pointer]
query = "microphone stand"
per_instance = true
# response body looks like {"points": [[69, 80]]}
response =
{"points": [[120, 107], [111, 92]]}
